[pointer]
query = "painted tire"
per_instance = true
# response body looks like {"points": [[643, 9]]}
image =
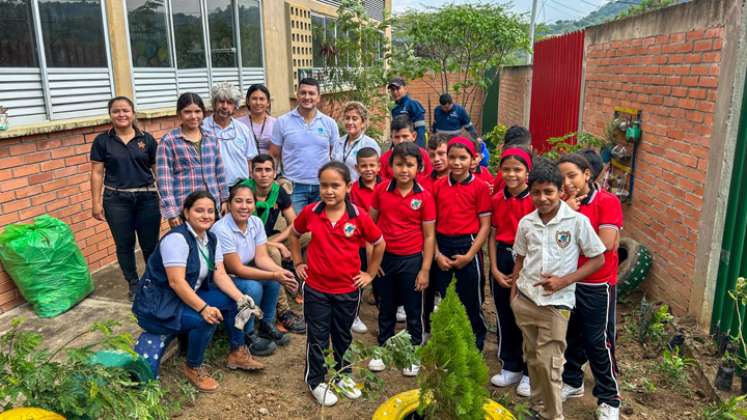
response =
{"points": [[404, 403], [635, 264], [29, 414]]}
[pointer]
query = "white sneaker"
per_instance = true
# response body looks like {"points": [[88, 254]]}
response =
{"points": [[568, 391], [607, 412], [401, 315], [505, 378], [411, 371], [524, 388], [349, 388], [426, 337], [436, 301], [359, 327], [376, 365], [324, 396]]}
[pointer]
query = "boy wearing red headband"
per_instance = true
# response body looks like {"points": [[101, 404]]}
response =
{"points": [[462, 226], [509, 205]]}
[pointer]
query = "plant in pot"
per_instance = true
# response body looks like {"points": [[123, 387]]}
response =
{"points": [[453, 374]]}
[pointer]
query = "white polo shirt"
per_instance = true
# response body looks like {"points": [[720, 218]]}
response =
{"points": [[347, 153], [553, 249], [244, 243]]}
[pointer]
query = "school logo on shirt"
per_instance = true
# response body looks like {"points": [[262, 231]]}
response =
{"points": [[349, 229], [141, 145], [415, 204], [563, 238], [320, 131]]}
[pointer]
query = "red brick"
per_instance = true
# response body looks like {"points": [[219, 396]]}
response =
{"points": [[43, 198], [16, 205], [52, 164], [28, 191], [63, 152], [697, 34], [22, 149], [14, 183], [25, 170], [76, 160], [708, 81], [703, 45], [40, 178], [31, 212]]}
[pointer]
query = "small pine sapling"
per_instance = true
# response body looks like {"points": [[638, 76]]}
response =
{"points": [[453, 373]]}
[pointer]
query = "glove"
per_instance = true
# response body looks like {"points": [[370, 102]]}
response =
{"points": [[247, 308]]}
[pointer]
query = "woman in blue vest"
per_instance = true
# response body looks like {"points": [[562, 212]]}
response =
{"points": [[185, 290]]}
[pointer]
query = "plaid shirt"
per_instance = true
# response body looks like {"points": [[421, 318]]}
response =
{"points": [[180, 170]]}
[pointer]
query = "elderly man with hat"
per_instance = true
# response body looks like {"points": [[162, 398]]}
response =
{"points": [[406, 105]]}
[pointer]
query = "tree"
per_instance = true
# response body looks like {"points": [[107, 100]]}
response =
{"points": [[355, 62], [453, 373], [458, 44]]}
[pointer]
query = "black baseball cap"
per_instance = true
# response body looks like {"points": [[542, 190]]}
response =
{"points": [[396, 81]]}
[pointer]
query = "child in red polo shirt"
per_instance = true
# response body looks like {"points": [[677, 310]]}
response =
{"points": [[509, 206], [403, 131], [333, 279], [591, 329], [406, 215], [367, 165], [437, 144], [462, 226], [516, 136]]}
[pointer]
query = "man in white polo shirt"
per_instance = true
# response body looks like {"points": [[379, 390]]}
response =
{"points": [[303, 138], [548, 243]]}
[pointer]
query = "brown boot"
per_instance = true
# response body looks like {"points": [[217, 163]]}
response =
{"points": [[242, 359], [200, 378]]}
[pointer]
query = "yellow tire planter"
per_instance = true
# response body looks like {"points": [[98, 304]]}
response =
{"points": [[29, 414], [402, 404]]}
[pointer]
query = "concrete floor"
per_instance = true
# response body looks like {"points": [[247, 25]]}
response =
{"points": [[107, 302]]}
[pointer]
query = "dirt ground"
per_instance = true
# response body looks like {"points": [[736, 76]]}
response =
{"points": [[278, 392]]}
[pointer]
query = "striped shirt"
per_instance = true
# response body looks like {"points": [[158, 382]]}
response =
{"points": [[180, 170]]}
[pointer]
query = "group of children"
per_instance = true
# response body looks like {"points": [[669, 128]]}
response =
{"points": [[415, 219]]}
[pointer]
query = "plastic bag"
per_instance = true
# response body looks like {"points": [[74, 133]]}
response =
{"points": [[46, 265]]}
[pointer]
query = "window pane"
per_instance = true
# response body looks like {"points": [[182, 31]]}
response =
{"points": [[17, 46], [190, 45], [73, 33], [222, 43], [251, 33], [148, 33], [317, 40]]}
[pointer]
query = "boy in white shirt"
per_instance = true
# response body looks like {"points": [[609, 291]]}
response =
{"points": [[548, 243]]}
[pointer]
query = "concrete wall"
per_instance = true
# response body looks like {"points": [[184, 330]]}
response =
{"points": [[671, 64], [514, 95]]}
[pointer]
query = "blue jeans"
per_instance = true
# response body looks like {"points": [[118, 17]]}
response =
{"points": [[199, 332], [303, 195], [265, 294]]}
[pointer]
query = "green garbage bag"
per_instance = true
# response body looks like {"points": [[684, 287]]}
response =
{"points": [[46, 264]]}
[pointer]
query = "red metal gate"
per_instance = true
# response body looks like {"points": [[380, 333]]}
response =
{"points": [[556, 88]]}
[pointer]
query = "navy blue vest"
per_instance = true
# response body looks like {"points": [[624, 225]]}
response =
{"points": [[155, 300]]}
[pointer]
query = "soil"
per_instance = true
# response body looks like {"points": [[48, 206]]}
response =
{"points": [[278, 392]]}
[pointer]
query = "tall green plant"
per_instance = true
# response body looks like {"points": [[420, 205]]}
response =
{"points": [[355, 65], [457, 44], [453, 374]]}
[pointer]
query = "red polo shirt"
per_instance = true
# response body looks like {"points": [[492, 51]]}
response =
{"points": [[459, 205], [386, 168], [498, 183], [605, 212], [427, 182], [507, 212], [401, 218], [332, 255], [361, 195]]}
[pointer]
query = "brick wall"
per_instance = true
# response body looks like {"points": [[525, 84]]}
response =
{"points": [[427, 90], [49, 173], [672, 78], [514, 95]]}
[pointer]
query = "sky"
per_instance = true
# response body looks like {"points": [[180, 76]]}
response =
{"points": [[547, 10]]}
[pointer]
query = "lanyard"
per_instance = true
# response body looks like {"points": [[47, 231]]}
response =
{"points": [[208, 261], [261, 131], [346, 155]]}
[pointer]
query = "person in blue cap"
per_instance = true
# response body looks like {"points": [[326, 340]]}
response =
{"points": [[406, 105]]}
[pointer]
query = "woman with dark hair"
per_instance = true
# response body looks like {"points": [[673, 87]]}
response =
{"points": [[259, 119], [188, 159], [123, 187], [185, 290]]}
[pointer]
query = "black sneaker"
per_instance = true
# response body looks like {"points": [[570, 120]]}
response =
{"points": [[132, 288], [260, 346], [269, 332], [292, 322]]}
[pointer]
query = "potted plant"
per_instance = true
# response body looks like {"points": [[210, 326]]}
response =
{"points": [[453, 374]]}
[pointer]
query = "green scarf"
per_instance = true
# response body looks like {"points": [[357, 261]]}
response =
{"points": [[266, 205]]}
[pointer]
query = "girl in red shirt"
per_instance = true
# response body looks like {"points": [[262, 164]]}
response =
{"points": [[332, 274], [509, 205], [591, 329]]}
